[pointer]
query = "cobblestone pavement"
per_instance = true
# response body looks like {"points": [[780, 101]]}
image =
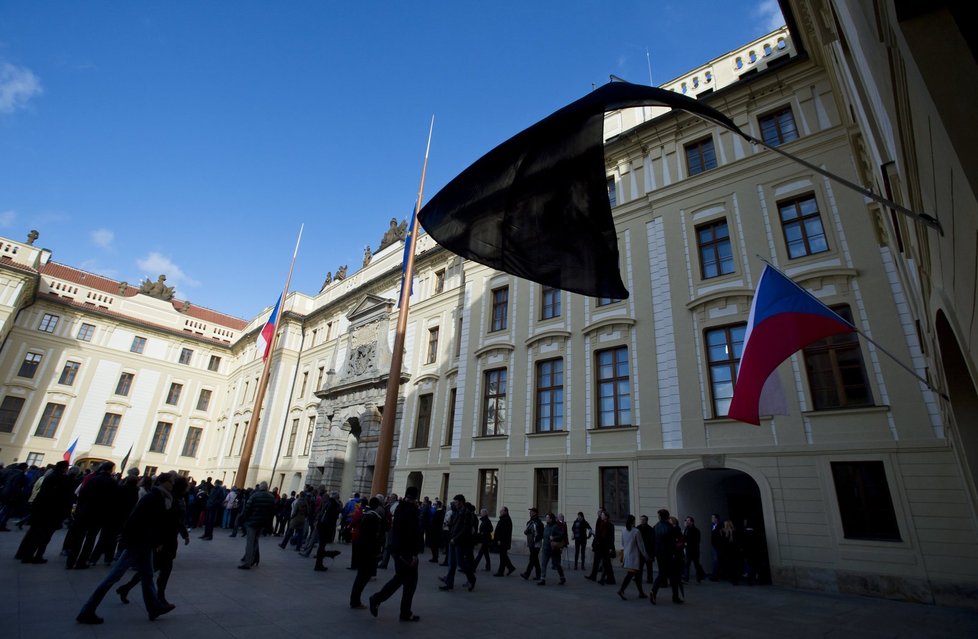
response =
{"points": [[284, 597]]}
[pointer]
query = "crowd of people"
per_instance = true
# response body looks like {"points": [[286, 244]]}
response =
{"points": [[134, 522]]}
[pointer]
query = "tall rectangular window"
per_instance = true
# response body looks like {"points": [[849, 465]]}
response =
{"points": [[836, 373], [450, 424], [802, 226], [546, 485], [173, 395], [186, 355], [108, 429], [723, 350], [614, 492], [612, 191], [50, 419], [214, 363], [700, 156], [9, 412], [319, 377], [234, 439], [292, 435], [494, 402], [150, 471], [713, 242], [138, 344], [778, 126], [550, 396], [432, 345], [160, 437], [310, 431], [488, 490], [500, 308], [29, 366], [422, 428], [68, 373], [458, 338], [192, 442], [35, 459], [204, 399], [305, 382], [439, 281], [48, 323], [864, 498], [85, 332], [550, 298], [124, 384], [614, 388]]}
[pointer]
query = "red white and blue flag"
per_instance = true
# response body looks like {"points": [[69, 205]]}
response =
{"points": [[70, 451], [264, 341], [784, 318]]}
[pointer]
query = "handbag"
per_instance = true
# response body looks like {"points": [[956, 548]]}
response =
{"points": [[557, 545]]}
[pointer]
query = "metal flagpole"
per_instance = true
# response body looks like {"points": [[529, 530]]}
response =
{"points": [[386, 441], [241, 478]]}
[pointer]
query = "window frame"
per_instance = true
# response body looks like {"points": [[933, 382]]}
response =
{"points": [[488, 490], [161, 437], [69, 372], [450, 424], [614, 383], [546, 489], [774, 117], [494, 407], [833, 347], [705, 151], [47, 425], [554, 395], [128, 377], [173, 395], [422, 424], [499, 311], [10, 414], [214, 364], [801, 221], [85, 332], [293, 435], [713, 246], [867, 512], [730, 364], [439, 281], [614, 484], [550, 301], [192, 442], [204, 399], [432, 356], [186, 355], [310, 433], [108, 429], [28, 367], [138, 345], [48, 323]]}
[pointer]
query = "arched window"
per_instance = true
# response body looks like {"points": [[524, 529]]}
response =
{"points": [[696, 82], [752, 56], [709, 77], [767, 49], [781, 43], [684, 87], [739, 63]]}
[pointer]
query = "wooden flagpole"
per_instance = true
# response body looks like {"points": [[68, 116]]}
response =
{"points": [[241, 478], [386, 442]]}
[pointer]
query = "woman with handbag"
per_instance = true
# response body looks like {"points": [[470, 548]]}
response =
{"points": [[634, 556], [554, 540], [604, 549]]}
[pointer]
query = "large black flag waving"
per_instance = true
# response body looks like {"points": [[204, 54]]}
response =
{"points": [[537, 205]]}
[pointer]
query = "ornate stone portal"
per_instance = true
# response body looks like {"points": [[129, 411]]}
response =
{"points": [[344, 448]]}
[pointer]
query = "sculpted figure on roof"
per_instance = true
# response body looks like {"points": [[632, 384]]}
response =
{"points": [[157, 289], [32, 236], [366, 255], [340, 273]]}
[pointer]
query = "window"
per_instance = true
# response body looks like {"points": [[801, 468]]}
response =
{"points": [[767, 49], [713, 242], [173, 396], [29, 366], [124, 384], [778, 127], [432, 345], [150, 471], [315, 336], [612, 192], [802, 226], [439, 281], [709, 77], [214, 364], [9, 412], [204, 399], [488, 490], [50, 419], [700, 156], [292, 435], [781, 43], [614, 391], [723, 349], [35, 459], [185, 355], [329, 331], [614, 492], [450, 424], [234, 437], [110, 426], [550, 396], [546, 490], [864, 501], [836, 374], [85, 332], [551, 303], [244, 393], [458, 338], [423, 426], [752, 56], [244, 436], [494, 402], [310, 431], [305, 382], [68, 373], [319, 377], [739, 62], [48, 323], [192, 442], [138, 344], [500, 308], [605, 301], [160, 437]]}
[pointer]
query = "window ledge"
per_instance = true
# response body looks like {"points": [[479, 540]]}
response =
{"points": [[478, 437], [612, 429], [413, 448], [547, 433], [832, 412]]}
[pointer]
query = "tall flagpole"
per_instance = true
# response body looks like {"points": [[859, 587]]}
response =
{"points": [[241, 478], [386, 441]]}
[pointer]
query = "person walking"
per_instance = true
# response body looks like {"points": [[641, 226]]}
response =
{"points": [[405, 545], [634, 556], [534, 537], [504, 540], [48, 512], [367, 548], [691, 534], [554, 540], [485, 538], [215, 501], [667, 538], [603, 547], [580, 531], [256, 516], [462, 540]]}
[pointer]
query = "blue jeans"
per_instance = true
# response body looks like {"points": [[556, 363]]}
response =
{"points": [[143, 563]]}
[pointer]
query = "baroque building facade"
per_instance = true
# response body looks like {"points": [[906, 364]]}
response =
{"points": [[515, 394]]}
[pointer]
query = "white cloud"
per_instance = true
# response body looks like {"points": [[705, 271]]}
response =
{"points": [[92, 267], [17, 86], [7, 218], [156, 263], [769, 14], [103, 238]]}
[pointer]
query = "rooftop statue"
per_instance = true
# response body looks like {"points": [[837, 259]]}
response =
{"points": [[157, 289]]}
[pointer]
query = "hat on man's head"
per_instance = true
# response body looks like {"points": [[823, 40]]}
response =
{"points": [[411, 492]]}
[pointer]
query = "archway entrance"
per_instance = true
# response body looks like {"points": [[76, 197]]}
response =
{"points": [[733, 495], [964, 398], [416, 479]]}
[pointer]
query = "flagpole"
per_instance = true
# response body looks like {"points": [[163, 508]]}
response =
{"points": [[241, 478], [385, 443], [866, 337]]}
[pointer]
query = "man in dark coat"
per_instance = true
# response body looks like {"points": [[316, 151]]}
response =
{"points": [[434, 530], [504, 539], [485, 539], [13, 484], [142, 533], [405, 545], [366, 548], [326, 527], [93, 513], [666, 538], [692, 536], [256, 516], [215, 503], [534, 537], [48, 512], [648, 540], [461, 542]]}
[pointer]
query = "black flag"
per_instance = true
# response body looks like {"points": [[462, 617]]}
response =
{"points": [[537, 205]]}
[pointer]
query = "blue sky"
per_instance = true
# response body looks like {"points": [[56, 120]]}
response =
{"points": [[193, 138]]}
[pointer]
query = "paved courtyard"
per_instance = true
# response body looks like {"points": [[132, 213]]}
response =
{"points": [[283, 597]]}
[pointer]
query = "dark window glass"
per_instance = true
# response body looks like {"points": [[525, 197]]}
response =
{"points": [[778, 127], [138, 344], [432, 345], [713, 242], [723, 350], [550, 395], [836, 374], [614, 492], [173, 395], [802, 226], [488, 490], [494, 402], [551, 303], [423, 427], [192, 442], [204, 400], [185, 356], [68, 373], [864, 501], [450, 424], [214, 364], [500, 308], [50, 419], [85, 332], [124, 384], [48, 323], [546, 484], [160, 437], [110, 426], [9, 412], [290, 448], [29, 366], [700, 156], [614, 390]]}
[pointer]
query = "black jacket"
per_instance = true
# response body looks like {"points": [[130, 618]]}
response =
{"points": [[405, 530], [258, 510], [149, 523], [485, 530], [504, 532]]}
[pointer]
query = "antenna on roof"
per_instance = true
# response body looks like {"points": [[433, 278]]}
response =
{"points": [[648, 58]]}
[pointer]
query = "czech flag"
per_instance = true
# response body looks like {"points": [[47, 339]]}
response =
{"points": [[404, 259], [267, 331], [784, 318], [70, 451]]}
